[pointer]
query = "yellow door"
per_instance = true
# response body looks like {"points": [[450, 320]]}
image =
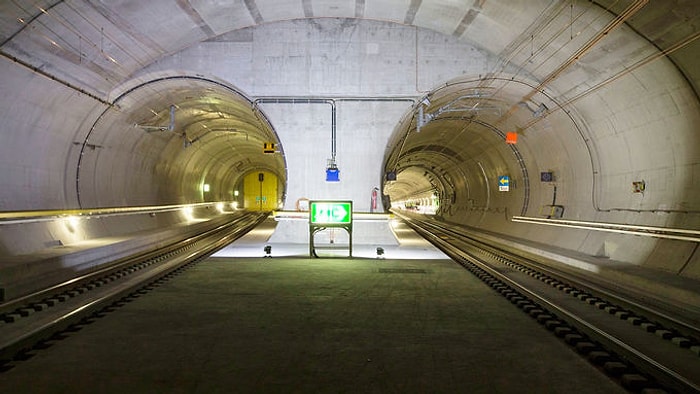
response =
{"points": [[260, 191]]}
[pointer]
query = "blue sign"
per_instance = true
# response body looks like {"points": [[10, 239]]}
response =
{"points": [[503, 183]]}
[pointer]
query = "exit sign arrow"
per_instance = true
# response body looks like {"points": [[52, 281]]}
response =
{"points": [[330, 212], [503, 183]]}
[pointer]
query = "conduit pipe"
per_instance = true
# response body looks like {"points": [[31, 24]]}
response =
{"points": [[332, 103], [298, 100], [614, 24]]}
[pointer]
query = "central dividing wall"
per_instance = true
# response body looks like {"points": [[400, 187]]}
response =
{"points": [[371, 72]]}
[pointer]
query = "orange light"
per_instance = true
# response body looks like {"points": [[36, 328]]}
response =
{"points": [[511, 137]]}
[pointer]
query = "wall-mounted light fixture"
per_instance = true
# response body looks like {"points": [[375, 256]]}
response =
{"points": [[332, 171], [541, 110], [188, 213], [537, 112], [170, 127], [71, 223], [547, 176]]}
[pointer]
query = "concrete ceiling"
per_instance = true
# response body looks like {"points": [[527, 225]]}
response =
{"points": [[109, 41]]}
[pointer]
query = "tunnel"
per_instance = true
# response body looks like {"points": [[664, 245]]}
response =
{"points": [[499, 115], [209, 135]]}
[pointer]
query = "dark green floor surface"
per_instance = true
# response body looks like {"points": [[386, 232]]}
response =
{"points": [[300, 325]]}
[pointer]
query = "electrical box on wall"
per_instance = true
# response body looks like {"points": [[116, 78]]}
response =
{"points": [[552, 211], [547, 176], [269, 147], [638, 186], [332, 175]]}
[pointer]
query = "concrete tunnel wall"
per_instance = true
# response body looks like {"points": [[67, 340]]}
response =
{"points": [[46, 125], [372, 70], [214, 141], [590, 185]]}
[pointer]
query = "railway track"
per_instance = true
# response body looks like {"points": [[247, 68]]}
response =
{"points": [[642, 345], [27, 322]]}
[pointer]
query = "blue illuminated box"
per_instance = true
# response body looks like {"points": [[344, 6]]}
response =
{"points": [[332, 175]]}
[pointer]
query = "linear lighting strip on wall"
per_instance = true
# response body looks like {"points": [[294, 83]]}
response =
{"points": [[658, 232]]}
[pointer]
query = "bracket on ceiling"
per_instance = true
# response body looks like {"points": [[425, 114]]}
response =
{"points": [[473, 103], [537, 112], [186, 143], [423, 118], [170, 127]]}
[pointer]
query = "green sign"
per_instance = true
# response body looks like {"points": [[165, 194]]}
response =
{"points": [[330, 212]]}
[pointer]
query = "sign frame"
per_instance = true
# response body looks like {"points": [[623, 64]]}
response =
{"points": [[314, 205], [503, 183], [319, 224]]}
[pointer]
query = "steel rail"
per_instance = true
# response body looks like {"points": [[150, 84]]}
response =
{"points": [[41, 326], [585, 283], [110, 268], [591, 328], [663, 374], [577, 280]]}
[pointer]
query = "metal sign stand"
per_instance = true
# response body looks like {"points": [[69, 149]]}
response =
{"points": [[313, 229], [317, 224]]}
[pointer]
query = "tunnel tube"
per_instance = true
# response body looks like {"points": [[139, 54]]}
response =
{"points": [[217, 140], [559, 168]]}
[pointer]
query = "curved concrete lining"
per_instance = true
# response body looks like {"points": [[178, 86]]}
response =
{"points": [[601, 94], [166, 130]]}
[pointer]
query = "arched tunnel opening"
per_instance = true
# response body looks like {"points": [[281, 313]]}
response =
{"points": [[452, 151], [178, 140], [489, 152]]}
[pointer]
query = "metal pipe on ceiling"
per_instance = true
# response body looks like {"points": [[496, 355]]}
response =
{"points": [[585, 48], [297, 100], [332, 102]]}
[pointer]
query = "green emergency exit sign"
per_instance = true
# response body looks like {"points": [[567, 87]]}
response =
{"points": [[330, 212]]}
